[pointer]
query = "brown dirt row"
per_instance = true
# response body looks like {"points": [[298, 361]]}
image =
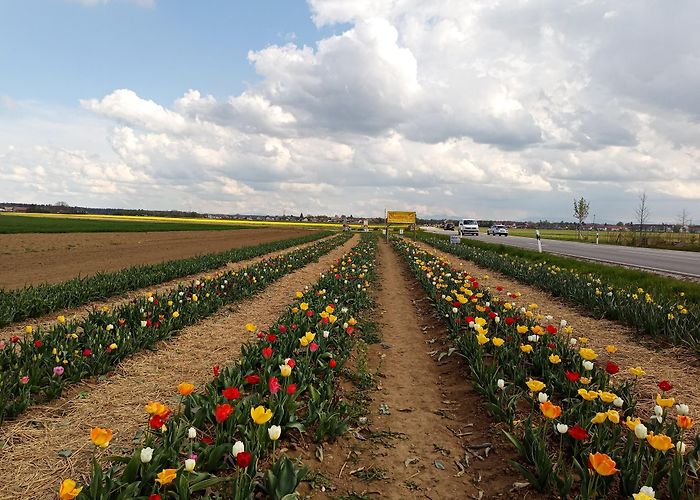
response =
{"points": [[30, 462], [434, 414], [82, 311], [31, 259], [675, 364]]}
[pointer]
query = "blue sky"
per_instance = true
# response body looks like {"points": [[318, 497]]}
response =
{"points": [[496, 109], [72, 51]]}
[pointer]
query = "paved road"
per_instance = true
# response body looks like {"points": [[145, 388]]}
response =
{"points": [[652, 259]]}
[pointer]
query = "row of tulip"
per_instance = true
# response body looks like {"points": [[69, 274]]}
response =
{"points": [[668, 320], [34, 301], [38, 365], [219, 438], [572, 416]]}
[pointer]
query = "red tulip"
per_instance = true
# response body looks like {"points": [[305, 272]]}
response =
{"points": [[510, 321], [294, 326], [274, 385], [499, 288], [665, 385], [551, 345], [551, 329], [271, 337], [14, 339], [332, 363], [309, 313], [469, 319], [612, 368], [492, 315], [313, 346], [222, 412], [154, 496], [243, 459], [572, 376], [207, 440], [283, 329], [87, 352], [349, 330], [158, 421], [231, 393], [579, 433], [291, 362], [267, 352], [291, 388], [252, 379], [37, 344], [216, 370]]}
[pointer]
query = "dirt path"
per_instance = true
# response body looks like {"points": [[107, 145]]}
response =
{"points": [[17, 328], [30, 463], [30, 259], [674, 363], [433, 412]]}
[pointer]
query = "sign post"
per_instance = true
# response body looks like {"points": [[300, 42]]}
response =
{"points": [[393, 217]]}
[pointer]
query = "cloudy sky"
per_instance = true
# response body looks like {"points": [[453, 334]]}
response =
{"points": [[497, 109]]}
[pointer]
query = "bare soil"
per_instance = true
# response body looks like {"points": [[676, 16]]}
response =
{"points": [[31, 259], [29, 460], [675, 364], [435, 419]]}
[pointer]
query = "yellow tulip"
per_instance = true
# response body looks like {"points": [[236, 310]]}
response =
{"points": [[661, 442], [535, 385], [637, 372], [482, 339], [599, 418], [587, 354], [176, 314], [521, 329], [155, 408], [554, 359], [61, 319], [303, 306], [611, 349], [587, 395], [607, 397], [664, 403], [285, 370], [166, 476], [28, 329], [260, 415], [497, 341], [632, 423], [613, 416], [298, 295], [480, 321], [585, 380], [101, 437], [250, 327], [68, 490]]}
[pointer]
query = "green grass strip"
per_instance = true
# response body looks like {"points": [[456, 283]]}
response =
{"points": [[34, 301]]}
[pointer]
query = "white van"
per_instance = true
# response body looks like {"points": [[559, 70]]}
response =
{"points": [[468, 227]]}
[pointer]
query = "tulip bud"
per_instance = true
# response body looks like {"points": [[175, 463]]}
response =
{"points": [[542, 397], [497, 320], [658, 410], [640, 431], [192, 433], [501, 383], [189, 465], [682, 409], [146, 455], [274, 432], [680, 447], [562, 428], [588, 365], [238, 448], [618, 402]]}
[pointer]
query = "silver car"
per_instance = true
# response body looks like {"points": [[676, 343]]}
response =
{"points": [[498, 230]]}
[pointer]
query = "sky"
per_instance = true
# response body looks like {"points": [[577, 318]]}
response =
{"points": [[496, 109]]}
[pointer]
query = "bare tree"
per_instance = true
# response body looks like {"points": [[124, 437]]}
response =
{"points": [[581, 212], [643, 213], [683, 219]]}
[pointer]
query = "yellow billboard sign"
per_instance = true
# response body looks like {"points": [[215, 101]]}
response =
{"points": [[400, 217]]}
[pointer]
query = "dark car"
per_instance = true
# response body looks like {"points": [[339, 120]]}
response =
{"points": [[448, 226]]}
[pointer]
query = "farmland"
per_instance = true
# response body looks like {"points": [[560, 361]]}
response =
{"points": [[337, 365]]}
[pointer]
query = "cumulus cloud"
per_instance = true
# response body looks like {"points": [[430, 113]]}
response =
{"points": [[504, 109]]}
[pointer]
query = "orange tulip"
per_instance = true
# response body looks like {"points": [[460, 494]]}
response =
{"points": [[602, 464], [185, 388], [660, 442], [68, 490], [101, 437], [166, 476], [684, 421], [549, 410], [155, 408]]}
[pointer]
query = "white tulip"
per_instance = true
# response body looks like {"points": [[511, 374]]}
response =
{"points": [[648, 491], [542, 397], [326, 333], [454, 310], [192, 433], [275, 431], [143, 324], [488, 304], [588, 365], [189, 464], [572, 341], [682, 409], [562, 428], [618, 402], [680, 447], [146, 455], [563, 323], [549, 317], [497, 320], [150, 299], [501, 383], [658, 410], [237, 448], [471, 324], [640, 431]]}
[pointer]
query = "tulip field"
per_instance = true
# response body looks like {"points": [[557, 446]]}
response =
{"points": [[329, 388]]}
